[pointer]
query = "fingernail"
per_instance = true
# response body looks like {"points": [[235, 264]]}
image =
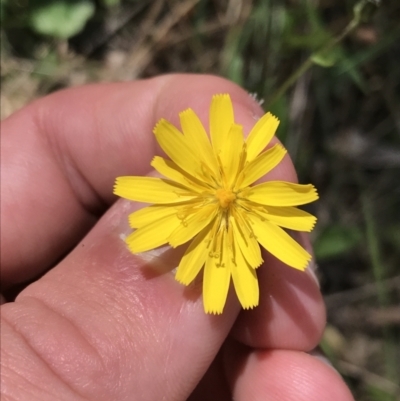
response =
{"points": [[303, 239], [311, 269]]}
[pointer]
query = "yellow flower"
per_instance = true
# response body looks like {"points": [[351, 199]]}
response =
{"points": [[207, 197]]}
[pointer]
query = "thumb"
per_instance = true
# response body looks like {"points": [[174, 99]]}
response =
{"points": [[105, 324]]}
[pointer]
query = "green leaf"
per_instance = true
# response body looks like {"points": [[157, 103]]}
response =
{"points": [[61, 18], [326, 58], [364, 10], [336, 240], [345, 66]]}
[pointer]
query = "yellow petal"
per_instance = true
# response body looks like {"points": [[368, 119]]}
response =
{"points": [[221, 120], [149, 215], [215, 286], [290, 217], [230, 153], [246, 241], [197, 138], [245, 281], [262, 165], [171, 170], [281, 193], [261, 135], [151, 190], [152, 235], [176, 147], [193, 259], [191, 226], [279, 243]]}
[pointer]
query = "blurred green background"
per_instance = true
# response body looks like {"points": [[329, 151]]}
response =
{"points": [[340, 121]]}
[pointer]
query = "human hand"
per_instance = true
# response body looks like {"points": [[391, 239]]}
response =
{"points": [[103, 324]]}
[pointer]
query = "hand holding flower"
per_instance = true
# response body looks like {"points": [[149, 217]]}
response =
{"points": [[99, 323]]}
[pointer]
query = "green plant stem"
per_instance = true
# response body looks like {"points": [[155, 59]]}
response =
{"points": [[353, 24]]}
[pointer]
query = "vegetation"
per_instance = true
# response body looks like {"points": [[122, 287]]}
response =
{"points": [[329, 69]]}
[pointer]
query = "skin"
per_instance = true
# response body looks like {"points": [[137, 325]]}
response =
{"points": [[98, 323]]}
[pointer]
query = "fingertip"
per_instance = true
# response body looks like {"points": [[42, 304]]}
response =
{"points": [[291, 313], [284, 375]]}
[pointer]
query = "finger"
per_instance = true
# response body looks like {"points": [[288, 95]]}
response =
{"points": [[61, 154], [291, 313], [282, 375]]}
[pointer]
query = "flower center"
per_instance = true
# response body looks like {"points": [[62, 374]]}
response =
{"points": [[225, 197]]}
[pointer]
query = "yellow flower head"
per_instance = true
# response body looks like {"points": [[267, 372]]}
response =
{"points": [[207, 197]]}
